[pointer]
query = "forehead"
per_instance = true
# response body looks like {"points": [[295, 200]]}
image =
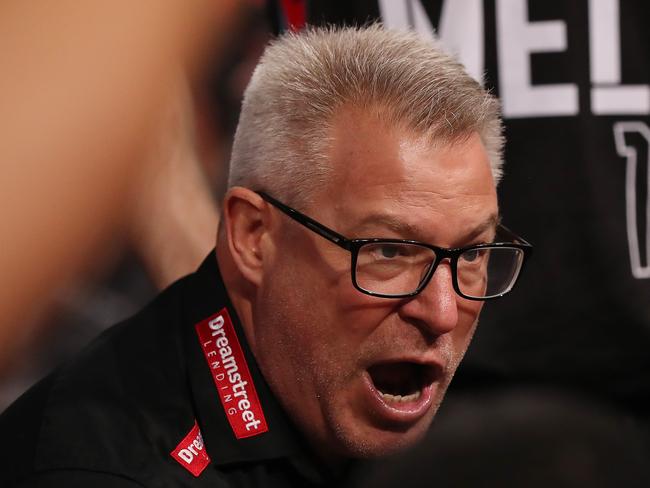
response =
{"points": [[379, 169]]}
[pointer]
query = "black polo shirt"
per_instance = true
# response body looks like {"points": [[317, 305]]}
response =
{"points": [[171, 397]]}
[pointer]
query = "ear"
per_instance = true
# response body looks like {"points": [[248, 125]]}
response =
{"points": [[247, 220]]}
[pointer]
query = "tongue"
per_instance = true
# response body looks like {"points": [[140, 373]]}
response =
{"points": [[395, 378]]}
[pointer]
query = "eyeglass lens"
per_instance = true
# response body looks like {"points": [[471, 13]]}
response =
{"points": [[395, 269]]}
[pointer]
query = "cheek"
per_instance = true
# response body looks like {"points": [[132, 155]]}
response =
{"points": [[311, 310], [361, 314], [316, 284], [286, 332], [292, 312], [468, 313], [321, 324]]}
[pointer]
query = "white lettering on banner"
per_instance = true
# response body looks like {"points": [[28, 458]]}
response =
{"points": [[608, 96], [231, 376], [517, 39], [190, 452], [230, 364], [634, 187], [406, 14], [461, 28], [605, 51]]}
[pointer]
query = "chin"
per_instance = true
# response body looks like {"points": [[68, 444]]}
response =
{"points": [[374, 424], [375, 442]]}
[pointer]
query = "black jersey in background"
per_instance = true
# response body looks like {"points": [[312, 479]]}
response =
{"points": [[574, 81]]}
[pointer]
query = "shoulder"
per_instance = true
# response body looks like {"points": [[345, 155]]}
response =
{"points": [[109, 417], [76, 479]]}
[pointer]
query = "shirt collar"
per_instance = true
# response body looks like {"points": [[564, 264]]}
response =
{"points": [[205, 296]]}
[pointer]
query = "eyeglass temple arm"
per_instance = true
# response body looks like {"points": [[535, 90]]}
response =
{"points": [[514, 236], [310, 223]]}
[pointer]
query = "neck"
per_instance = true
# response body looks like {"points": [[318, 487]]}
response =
{"points": [[239, 292]]}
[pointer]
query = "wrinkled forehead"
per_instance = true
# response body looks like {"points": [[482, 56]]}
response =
{"points": [[365, 150], [382, 168]]}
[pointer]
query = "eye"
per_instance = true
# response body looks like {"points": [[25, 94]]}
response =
{"points": [[387, 251], [473, 255]]}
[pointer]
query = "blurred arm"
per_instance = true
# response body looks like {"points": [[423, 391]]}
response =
{"points": [[80, 95]]}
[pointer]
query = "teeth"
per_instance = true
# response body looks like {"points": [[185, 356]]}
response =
{"points": [[401, 398]]}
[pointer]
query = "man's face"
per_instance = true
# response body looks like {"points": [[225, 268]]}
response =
{"points": [[337, 359]]}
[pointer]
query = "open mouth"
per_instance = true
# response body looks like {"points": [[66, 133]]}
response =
{"points": [[401, 382]]}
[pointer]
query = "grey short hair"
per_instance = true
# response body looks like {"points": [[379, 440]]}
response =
{"points": [[303, 79]]}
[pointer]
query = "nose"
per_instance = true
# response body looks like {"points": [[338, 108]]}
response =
{"points": [[434, 308]]}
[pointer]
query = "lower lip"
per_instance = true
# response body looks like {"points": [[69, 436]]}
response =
{"points": [[399, 412]]}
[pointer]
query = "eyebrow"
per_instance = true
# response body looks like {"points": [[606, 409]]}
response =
{"points": [[491, 223], [391, 223], [410, 231]]}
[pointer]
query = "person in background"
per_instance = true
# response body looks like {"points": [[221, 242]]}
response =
{"points": [[167, 205], [86, 92]]}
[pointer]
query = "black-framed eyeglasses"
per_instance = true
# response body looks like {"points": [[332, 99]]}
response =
{"points": [[399, 268]]}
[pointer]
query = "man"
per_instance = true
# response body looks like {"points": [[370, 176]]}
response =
{"points": [[357, 246], [577, 117]]}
